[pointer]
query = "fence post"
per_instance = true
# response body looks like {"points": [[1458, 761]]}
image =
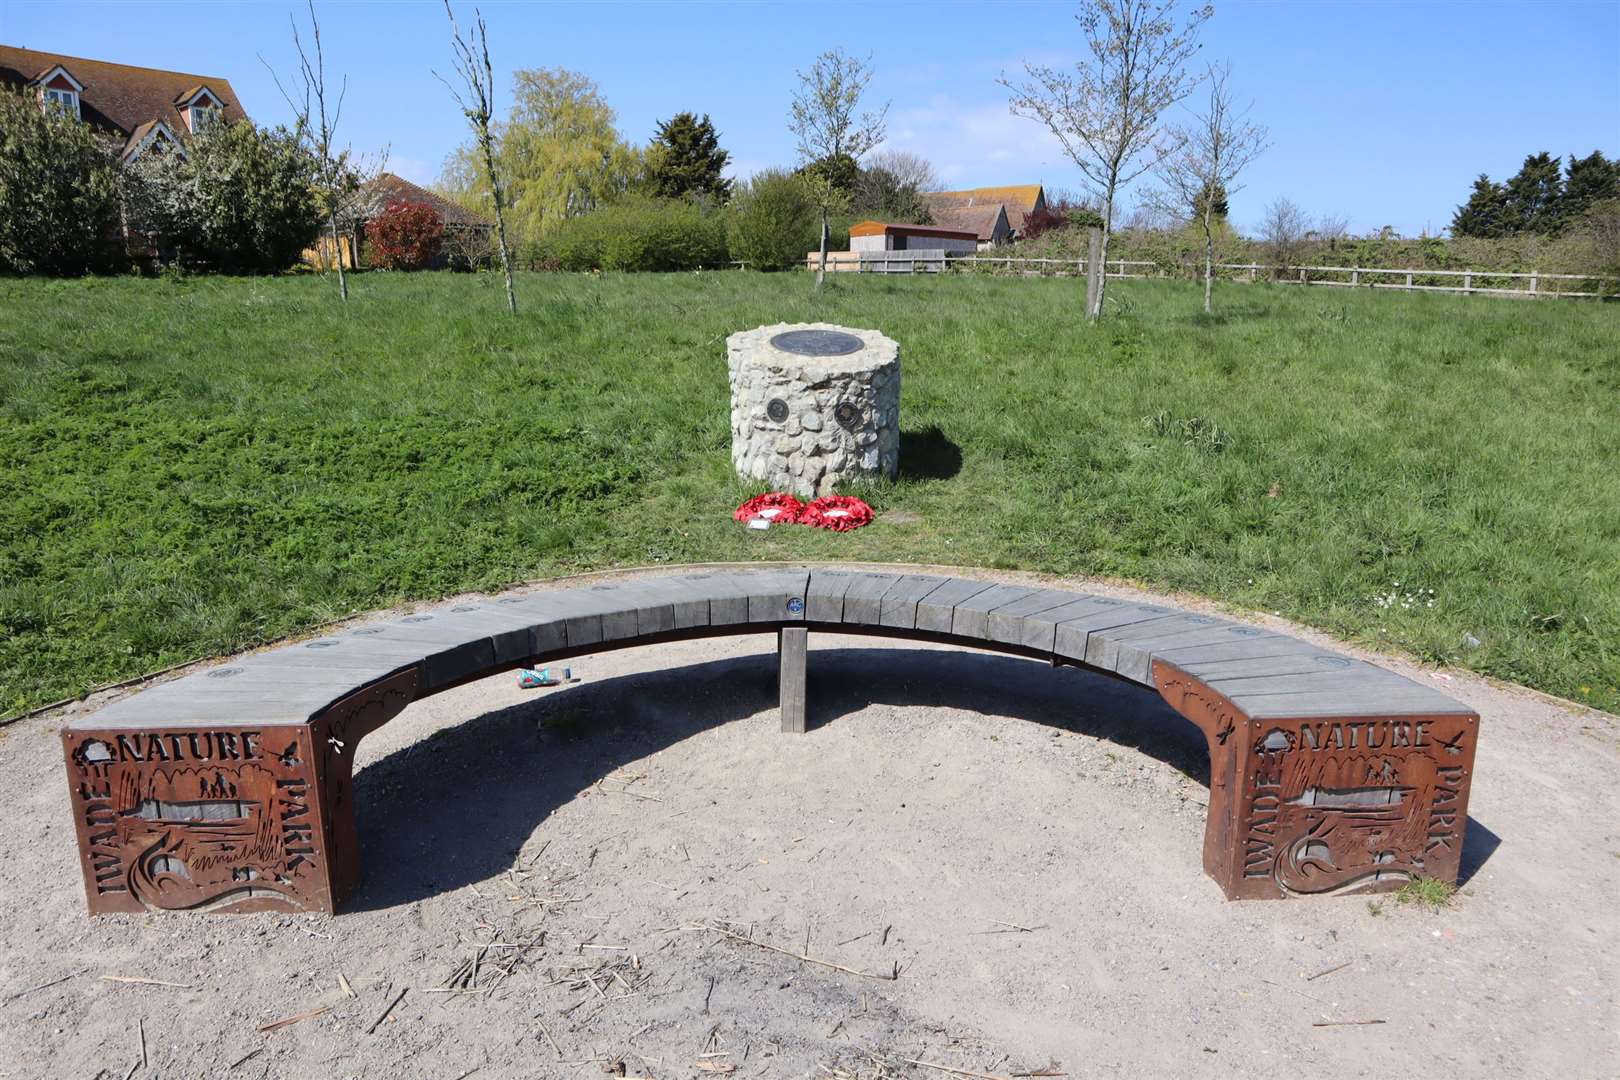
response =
{"points": [[1408, 277], [1533, 281], [1355, 276], [1468, 284], [1251, 273]]}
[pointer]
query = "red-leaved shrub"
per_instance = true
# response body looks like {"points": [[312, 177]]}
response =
{"points": [[405, 236]]}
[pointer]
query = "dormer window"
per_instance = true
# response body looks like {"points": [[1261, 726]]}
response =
{"points": [[66, 100], [201, 117], [60, 90], [201, 109]]}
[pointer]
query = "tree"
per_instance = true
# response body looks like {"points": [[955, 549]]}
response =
{"points": [[1485, 214], [241, 199], [771, 221], [823, 120], [881, 193], [316, 116], [1213, 151], [1214, 196], [1588, 180], [1283, 232], [685, 159], [476, 101], [1106, 113], [558, 151], [405, 236], [59, 191], [909, 170], [1535, 196]]}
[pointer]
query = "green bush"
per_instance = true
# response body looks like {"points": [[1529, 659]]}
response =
{"points": [[638, 234], [772, 221], [241, 199], [58, 192]]}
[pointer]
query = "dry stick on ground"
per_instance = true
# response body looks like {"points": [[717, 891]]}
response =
{"points": [[1329, 971], [289, 1021], [803, 957], [1347, 1023], [141, 980], [390, 1008], [949, 1069], [552, 1041], [47, 985], [245, 1058]]}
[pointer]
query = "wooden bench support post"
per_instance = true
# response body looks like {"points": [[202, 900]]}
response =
{"points": [[790, 647]]}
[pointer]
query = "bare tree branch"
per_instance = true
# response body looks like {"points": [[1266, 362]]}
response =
{"points": [[1106, 112], [471, 56], [823, 119], [1214, 150]]}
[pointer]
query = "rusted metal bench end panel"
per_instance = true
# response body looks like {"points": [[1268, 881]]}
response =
{"points": [[1331, 803], [227, 817]]}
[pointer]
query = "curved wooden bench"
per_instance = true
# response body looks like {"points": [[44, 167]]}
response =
{"points": [[230, 789]]}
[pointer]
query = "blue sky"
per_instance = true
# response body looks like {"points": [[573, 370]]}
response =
{"points": [[1380, 113]]}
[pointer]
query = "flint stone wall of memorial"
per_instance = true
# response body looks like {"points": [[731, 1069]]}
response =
{"points": [[813, 406]]}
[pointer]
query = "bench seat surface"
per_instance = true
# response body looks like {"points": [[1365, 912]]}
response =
{"points": [[1261, 672]]}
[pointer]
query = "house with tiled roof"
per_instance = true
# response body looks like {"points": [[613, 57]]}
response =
{"points": [[988, 222], [467, 233], [1019, 201], [137, 108]]}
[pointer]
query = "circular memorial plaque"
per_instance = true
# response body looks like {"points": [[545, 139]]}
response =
{"points": [[817, 342], [777, 410], [847, 415]]}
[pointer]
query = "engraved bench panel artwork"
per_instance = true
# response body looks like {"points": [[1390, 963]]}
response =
{"points": [[231, 789]]}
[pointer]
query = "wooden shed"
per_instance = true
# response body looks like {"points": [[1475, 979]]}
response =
{"points": [[887, 236]]}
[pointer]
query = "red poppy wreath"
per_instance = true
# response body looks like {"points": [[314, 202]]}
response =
{"points": [[779, 508], [840, 513]]}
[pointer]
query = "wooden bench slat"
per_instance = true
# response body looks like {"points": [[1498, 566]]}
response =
{"points": [[863, 600], [899, 606], [936, 610]]}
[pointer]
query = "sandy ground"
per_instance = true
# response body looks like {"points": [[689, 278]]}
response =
{"points": [[1021, 844]]}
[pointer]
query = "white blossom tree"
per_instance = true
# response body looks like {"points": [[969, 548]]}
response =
{"points": [[1107, 112]]}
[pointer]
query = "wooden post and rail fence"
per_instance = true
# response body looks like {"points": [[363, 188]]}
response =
{"points": [[1532, 284]]}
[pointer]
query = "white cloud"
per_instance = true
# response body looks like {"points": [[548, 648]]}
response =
{"points": [[980, 144], [415, 170]]}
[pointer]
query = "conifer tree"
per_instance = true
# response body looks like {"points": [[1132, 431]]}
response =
{"points": [[685, 159]]}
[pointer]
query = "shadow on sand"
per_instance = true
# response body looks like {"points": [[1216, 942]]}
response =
{"points": [[456, 807]]}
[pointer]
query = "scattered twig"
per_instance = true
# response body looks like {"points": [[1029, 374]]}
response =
{"points": [[949, 1069], [141, 980], [140, 1030], [343, 984], [1329, 971], [47, 985], [804, 957], [245, 1058], [1011, 928], [550, 1040], [390, 1008], [289, 1021], [1346, 1023]]}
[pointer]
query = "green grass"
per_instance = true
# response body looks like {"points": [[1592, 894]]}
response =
{"points": [[193, 466], [1427, 892]]}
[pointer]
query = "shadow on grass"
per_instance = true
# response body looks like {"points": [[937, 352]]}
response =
{"points": [[456, 807], [928, 455]]}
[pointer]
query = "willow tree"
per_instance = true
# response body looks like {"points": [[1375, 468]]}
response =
{"points": [[1107, 113]]}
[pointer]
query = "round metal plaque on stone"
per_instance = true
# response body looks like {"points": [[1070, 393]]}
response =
{"points": [[777, 410], [847, 415], [817, 342]]}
